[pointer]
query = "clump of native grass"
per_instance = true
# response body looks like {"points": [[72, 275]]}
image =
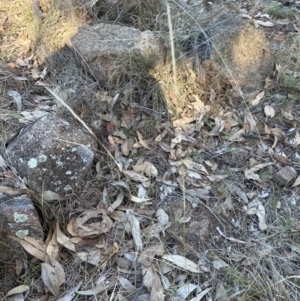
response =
{"points": [[288, 58], [141, 14], [277, 10], [39, 28], [59, 23], [20, 28], [178, 78]]}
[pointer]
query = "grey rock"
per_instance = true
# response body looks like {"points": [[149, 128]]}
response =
{"points": [[52, 154], [285, 176], [108, 51], [18, 217], [240, 51]]}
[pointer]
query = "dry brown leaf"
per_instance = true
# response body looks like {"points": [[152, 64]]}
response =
{"points": [[183, 121], [81, 228], [250, 175], [125, 148], [106, 117], [232, 239], [122, 184], [34, 247], [296, 139], [183, 263], [147, 256], [24, 62], [16, 96], [52, 246], [201, 193], [277, 132], [101, 286], [192, 165], [269, 111], [217, 178], [126, 284], [3, 163], [153, 284], [162, 217], [288, 114], [176, 140], [198, 105], [202, 294], [139, 200], [123, 263], [93, 256], [282, 159], [112, 142], [297, 182], [146, 167], [135, 230], [260, 166], [231, 120], [70, 227], [266, 129], [142, 141], [52, 196], [53, 276], [17, 290], [118, 215], [188, 163], [193, 174], [201, 168], [160, 137], [152, 231], [271, 153], [185, 290], [63, 240], [103, 96], [234, 189], [19, 266], [165, 147], [250, 123], [116, 203], [265, 23], [218, 127], [70, 294], [255, 99], [256, 207], [137, 177], [237, 136]]}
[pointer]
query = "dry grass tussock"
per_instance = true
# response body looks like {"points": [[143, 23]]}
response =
{"points": [[208, 202], [41, 27]]}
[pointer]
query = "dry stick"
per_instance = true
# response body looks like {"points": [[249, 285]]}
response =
{"points": [[184, 210], [83, 123], [172, 45]]}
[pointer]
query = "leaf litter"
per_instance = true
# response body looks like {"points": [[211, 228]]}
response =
{"points": [[203, 170]]}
